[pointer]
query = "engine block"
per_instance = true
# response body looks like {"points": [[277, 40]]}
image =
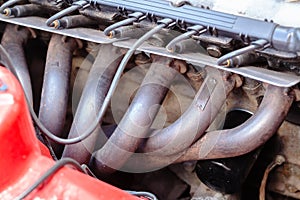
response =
{"points": [[181, 99]]}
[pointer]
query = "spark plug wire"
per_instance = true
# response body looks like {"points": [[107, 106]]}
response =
{"points": [[161, 24]]}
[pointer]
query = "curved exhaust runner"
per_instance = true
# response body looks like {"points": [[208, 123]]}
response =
{"points": [[194, 122], [95, 90], [136, 122], [232, 142], [13, 41], [248, 136], [55, 90]]}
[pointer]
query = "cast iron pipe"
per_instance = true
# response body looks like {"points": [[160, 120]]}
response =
{"points": [[13, 41], [55, 92], [95, 90], [248, 136], [137, 120], [232, 142], [198, 117]]}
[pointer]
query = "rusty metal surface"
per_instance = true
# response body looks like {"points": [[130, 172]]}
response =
{"points": [[289, 135], [97, 85], [39, 23], [248, 136], [154, 153], [176, 102], [286, 179], [14, 40], [201, 58], [138, 119], [194, 122], [232, 142], [56, 84]]}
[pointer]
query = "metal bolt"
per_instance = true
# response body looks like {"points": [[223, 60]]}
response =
{"points": [[214, 51]]}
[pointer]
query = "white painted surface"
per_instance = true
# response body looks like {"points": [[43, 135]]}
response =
{"points": [[283, 12]]}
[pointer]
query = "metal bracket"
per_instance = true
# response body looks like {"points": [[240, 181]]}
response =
{"points": [[205, 94]]}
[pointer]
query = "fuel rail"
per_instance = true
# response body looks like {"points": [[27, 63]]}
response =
{"points": [[246, 29]]}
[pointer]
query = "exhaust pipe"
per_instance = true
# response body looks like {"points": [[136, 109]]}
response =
{"points": [[192, 124], [135, 124], [56, 83], [227, 175], [13, 41], [248, 136], [227, 143], [95, 90]]}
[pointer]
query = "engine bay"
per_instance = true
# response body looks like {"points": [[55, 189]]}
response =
{"points": [[166, 99]]}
